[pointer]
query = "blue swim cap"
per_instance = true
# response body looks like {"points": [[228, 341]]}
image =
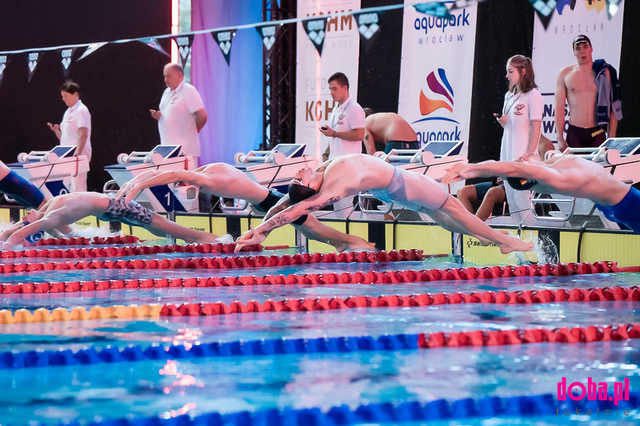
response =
{"points": [[33, 238]]}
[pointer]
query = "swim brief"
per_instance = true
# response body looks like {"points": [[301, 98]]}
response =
{"points": [[131, 214], [396, 192], [578, 137], [626, 211]]}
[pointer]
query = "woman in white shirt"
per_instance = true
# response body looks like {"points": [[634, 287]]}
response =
{"points": [[521, 119]]}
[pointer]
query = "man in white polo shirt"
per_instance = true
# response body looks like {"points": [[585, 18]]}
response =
{"points": [[346, 122], [181, 114], [75, 129], [345, 130]]}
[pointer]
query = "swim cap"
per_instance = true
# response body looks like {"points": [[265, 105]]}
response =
{"points": [[521, 184], [33, 238], [299, 192]]}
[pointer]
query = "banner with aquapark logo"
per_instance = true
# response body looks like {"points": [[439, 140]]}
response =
{"points": [[552, 49], [436, 74], [340, 50]]}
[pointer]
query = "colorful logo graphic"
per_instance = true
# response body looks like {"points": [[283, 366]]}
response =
{"points": [[437, 93]]}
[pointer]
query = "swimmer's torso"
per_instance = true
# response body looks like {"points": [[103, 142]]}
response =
{"points": [[587, 179], [581, 96], [350, 174]]}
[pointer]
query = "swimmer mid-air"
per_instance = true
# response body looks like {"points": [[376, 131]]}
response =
{"points": [[350, 174], [563, 174], [59, 212], [225, 180]]}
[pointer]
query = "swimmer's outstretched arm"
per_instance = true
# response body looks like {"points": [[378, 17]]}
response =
{"points": [[491, 168], [285, 217], [282, 204], [132, 188], [52, 219]]}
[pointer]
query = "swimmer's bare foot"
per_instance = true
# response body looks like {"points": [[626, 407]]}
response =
{"points": [[514, 244]]}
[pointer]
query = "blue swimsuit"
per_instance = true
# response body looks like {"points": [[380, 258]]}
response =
{"points": [[626, 212]]}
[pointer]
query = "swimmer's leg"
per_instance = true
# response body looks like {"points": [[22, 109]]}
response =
{"points": [[163, 227], [312, 228], [456, 218], [21, 190]]}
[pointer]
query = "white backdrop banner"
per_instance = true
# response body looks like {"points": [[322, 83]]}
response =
{"points": [[436, 74], [552, 49], [339, 53]]}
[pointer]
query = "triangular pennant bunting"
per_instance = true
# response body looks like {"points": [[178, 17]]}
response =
{"points": [[268, 34], [544, 9], [65, 60], [3, 65], [152, 42], [92, 48], [612, 7], [184, 48], [316, 31], [433, 8], [224, 39], [32, 63], [368, 24]]}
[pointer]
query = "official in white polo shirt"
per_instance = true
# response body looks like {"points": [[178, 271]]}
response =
{"points": [[346, 122], [181, 114], [345, 130], [75, 129]]}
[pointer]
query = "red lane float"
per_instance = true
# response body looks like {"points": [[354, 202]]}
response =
{"points": [[524, 336], [406, 301], [371, 277], [231, 262], [93, 252], [78, 241]]}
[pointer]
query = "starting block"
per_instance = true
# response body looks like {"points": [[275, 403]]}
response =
{"points": [[47, 170], [161, 198], [274, 169]]}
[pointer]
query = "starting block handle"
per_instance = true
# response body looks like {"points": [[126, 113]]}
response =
{"points": [[561, 218], [368, 196], [242, 205]]}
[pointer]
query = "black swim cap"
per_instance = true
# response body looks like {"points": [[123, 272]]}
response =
{"points": [[299, 192], [521, 184]]}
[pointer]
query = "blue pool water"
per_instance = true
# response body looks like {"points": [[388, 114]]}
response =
{"points": [[99, 392]]}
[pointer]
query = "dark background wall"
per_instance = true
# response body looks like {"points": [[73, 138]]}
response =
{"points": [[119, 83]]}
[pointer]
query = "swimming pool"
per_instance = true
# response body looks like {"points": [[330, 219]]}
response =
{"points": [[336, 363]]}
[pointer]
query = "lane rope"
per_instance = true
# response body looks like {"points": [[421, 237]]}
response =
{"points": [[119, 251], [371, 277], [520, 297], [229, 262], [394, 413], [342, 344]]}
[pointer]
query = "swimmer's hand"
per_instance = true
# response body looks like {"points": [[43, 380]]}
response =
{"points": [[457, 172], [155, 114], [249, 238]]}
